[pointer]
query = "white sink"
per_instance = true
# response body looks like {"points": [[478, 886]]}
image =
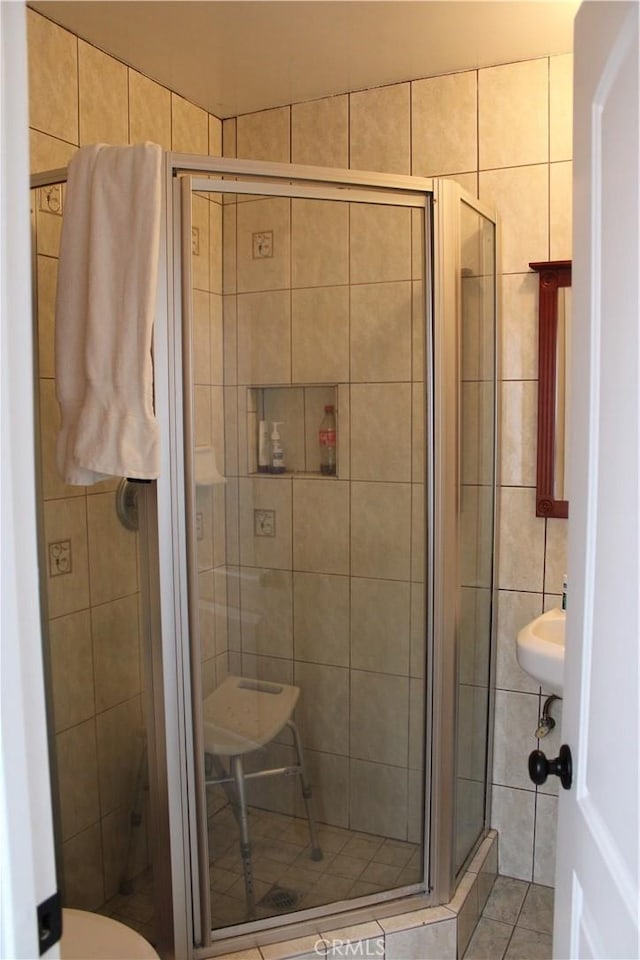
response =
{"points": [[540, 650]]}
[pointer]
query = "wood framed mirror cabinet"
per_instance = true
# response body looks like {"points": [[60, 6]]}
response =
{"points": [[554, 334]]}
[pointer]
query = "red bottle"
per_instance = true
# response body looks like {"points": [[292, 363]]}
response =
{"points": [[327, 438]]}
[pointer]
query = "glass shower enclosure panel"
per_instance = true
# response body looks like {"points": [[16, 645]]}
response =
{"points": [[94, 644], [308, 597], [476, 530]]}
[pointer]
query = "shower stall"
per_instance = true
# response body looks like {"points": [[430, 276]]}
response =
{"points": [[307, 721]]}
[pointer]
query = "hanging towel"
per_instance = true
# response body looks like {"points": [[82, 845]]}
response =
{"points": [[105, 304]]}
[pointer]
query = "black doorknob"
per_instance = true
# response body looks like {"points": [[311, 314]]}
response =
{"points": [[540, 767]]}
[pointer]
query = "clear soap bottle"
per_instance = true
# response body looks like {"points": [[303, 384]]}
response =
{"points": [[327, 439]]}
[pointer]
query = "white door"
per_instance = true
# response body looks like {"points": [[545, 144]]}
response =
{"points": [[597, 884], [27, 866]]}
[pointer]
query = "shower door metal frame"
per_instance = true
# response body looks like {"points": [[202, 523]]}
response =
{"points": [[290, 181], [442, 302], [165, 549], [445, 476]]}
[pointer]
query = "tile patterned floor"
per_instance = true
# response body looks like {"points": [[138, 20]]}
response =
{"points": [[354, 864], [135, 909], [516, 924]]}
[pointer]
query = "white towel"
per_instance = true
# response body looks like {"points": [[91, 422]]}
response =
{"points": [[105, 304]]}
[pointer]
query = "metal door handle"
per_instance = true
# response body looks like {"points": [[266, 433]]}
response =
{"points": [[540, 767]]}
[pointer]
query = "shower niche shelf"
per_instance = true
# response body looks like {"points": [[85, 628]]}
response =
{"points": [[299, 409]]}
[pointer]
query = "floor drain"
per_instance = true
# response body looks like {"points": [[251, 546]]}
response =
{"points": [[279, 898]]}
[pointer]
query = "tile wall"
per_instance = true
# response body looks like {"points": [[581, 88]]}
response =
{"points": [[78, 95], [333, 315], [505, 134]]}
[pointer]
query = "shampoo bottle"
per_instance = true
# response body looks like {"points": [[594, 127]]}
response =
{"points": [[277, 453]]}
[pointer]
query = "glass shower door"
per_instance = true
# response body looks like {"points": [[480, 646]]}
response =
{"points": [[308, 614], [477, 480], [94, 647]]}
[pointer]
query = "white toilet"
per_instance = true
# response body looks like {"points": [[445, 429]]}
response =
{"points": [[90, 936]]}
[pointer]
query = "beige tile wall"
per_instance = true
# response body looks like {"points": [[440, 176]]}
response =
{"points": [[504, 131], [505, 134], [78, 95]]}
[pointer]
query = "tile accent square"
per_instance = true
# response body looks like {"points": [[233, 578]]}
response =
{"points": [[65, 522], [273, 494], [262, 244], [60, 558], [263, 216]]}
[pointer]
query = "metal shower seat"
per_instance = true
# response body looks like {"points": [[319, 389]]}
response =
{"points": [[239, 717]]}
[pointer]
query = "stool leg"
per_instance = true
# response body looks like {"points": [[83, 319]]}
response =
{"points": [[316, 852], [245, 846]]}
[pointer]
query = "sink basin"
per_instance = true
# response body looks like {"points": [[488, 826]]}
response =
{"points": [[540, 650]]}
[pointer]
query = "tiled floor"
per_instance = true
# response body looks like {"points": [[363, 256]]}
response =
{"points": [[516, 924], [354, 864], [135, 909]]}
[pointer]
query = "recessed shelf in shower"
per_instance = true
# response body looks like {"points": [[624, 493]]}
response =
{"points": [[299, 409]]}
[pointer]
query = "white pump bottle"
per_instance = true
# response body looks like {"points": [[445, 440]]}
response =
{"points": [[277, 453]]}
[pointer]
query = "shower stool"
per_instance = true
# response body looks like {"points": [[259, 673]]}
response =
{"points": [[241, 716]]}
